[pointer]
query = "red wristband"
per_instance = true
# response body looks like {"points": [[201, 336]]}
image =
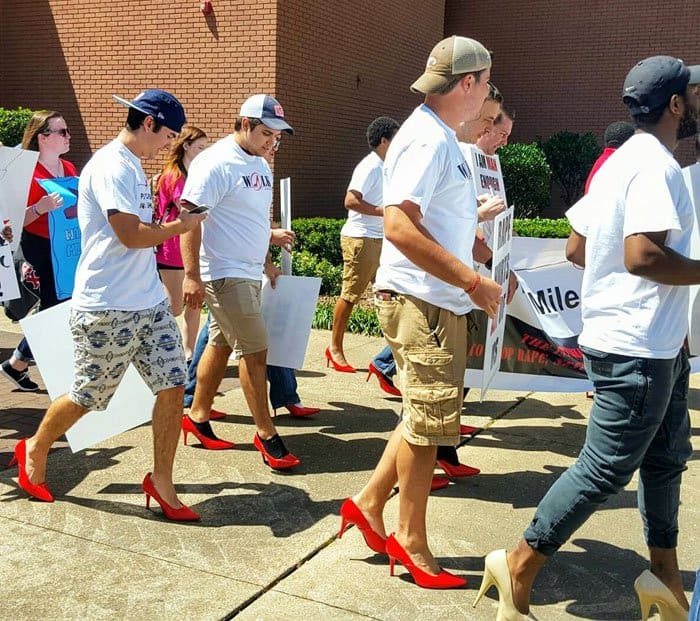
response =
{"points": [[474, 285]]}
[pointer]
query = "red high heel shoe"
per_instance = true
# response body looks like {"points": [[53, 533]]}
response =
{"points": [[343, 368], [213, 444], [458, 470], [183, 514], [276, 463], [300, 411], [467, 430], [384, 383], [444, 580], [39, 491], [438, 483], [351, 514], [216, 415]]}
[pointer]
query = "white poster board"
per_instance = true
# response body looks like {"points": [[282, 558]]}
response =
{"points": [[16, 172], [691, 175], [9, 287], [488, 179], [288, 311], [49, 337]]}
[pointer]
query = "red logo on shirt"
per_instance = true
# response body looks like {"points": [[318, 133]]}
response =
{"points": [[256, 181]]}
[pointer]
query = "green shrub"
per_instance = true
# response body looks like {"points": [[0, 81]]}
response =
{"points": [[319, 236], [306, 264], [527, 178], [542, 227], [12, 124], [362, 320], [571, 156]]}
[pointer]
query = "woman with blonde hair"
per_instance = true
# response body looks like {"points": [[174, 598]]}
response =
{"points": [[168, 189]]}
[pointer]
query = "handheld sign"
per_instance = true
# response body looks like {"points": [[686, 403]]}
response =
{"points": [[16, 172]]}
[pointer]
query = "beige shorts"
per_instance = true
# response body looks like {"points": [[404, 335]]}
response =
{"points": [[360, 263], [430, 348], [236, 315]]}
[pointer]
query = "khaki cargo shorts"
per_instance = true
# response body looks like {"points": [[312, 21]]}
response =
{"points": [[430, 348], [236, 315], [360, 263]]}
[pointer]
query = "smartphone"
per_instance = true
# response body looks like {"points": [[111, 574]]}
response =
{"points": [[199, 209]]}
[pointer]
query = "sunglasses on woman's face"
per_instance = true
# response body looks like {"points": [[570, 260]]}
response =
{"points": [[61, 132]]}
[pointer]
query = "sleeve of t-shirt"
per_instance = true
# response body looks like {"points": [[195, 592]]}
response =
{"points": [[365, 180], [118, 191], [579, 215], [414, 176], [205, 184], [649, 205]]}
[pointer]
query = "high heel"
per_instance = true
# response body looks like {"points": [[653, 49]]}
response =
{"points": [[444, 580], [651, 591], [458, 470], [284, 460], [497, 573], [384, 382], [183, 514], [300, 411], [343, 368], [438, 483], [39, 491], [351, 514], [467, 430], [216, 415], [211, 443]]}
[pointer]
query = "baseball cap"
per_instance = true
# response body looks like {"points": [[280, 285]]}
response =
{"points": [[268, 110], [161, 105], [651, 82], [694, 74], [452, 56]]}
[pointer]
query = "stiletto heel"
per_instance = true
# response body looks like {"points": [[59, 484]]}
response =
{"points": [[351, 514], [13, 461], [205, 436], [275, 454], [183, 514], [652, 592], [343, 368], [384, 382], [300, 411], [444, 580], [497, 573], [39, 491], [457, 470]]}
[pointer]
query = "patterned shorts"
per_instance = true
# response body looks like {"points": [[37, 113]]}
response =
{"points": [[105, 342]]}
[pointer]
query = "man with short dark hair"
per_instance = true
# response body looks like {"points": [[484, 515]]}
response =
{"points": [[616, 134], [361, 235], [120, 314], [632, 234], [493, 138]]}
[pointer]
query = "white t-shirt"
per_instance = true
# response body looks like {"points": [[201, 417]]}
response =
{"points": [[640, 189], [367, 180], [691, 175], [424, 165], [237, 188], [111, 276]]}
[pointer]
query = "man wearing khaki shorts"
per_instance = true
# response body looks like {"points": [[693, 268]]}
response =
{"points": [[233, 181], [425, 287], [361, 236]]}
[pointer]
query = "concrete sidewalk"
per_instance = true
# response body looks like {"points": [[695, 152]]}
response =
{"points": [[267, 545]]}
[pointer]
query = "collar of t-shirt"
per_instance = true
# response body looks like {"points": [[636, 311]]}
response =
{"points": [[426, 110]]}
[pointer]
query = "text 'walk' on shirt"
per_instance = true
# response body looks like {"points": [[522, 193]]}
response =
{"points": [[639, 189], [367, 180], [237, 188], [424, 165], [111, 276]]}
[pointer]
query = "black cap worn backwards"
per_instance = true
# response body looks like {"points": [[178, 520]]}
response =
{"points": [[651, 82]]}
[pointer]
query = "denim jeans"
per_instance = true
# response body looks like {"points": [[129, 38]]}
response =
{"points": [[283, 382], [639, 420], [694, 614], [385, 363]]}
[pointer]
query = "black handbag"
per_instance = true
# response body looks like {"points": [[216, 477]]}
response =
{"points": [[28, 281]]}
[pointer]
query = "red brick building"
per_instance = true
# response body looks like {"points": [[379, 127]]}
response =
{"points": [[333, 66]]}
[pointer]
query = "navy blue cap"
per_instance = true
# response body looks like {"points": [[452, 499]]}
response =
{"points": [[652, 82], [268, 110], [694, 74], [161, 105]]}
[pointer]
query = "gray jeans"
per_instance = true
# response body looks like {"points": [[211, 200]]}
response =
{"points": [[639, 420]]}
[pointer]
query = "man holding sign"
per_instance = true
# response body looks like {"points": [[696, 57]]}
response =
{"points": [[119, 311]]}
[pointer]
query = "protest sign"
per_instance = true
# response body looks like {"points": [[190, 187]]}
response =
{"points": [[9, 287], [16, 172], [691, 175]]}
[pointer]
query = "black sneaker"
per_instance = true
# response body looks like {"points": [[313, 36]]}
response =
{"points": [[18, 378]]}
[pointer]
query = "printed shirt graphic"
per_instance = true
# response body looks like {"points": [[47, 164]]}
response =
{"points": [[367, 180], [237, 188], [111, 276], [424, 165]]}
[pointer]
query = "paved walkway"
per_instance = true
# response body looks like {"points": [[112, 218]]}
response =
{"points": [[267, 546]]}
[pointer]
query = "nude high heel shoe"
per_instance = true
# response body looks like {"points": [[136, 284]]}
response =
{"points": [[651, 591], [496, 573]]}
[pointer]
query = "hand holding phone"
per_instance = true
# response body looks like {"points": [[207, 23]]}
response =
{"points": [[199, 209]]}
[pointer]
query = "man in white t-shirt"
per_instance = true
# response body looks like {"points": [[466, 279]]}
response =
{"points": [[361, 236], [631, 232], [424, 288], [224, 264], [120, 314]]}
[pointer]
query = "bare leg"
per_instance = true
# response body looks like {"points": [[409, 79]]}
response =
{"points": [[341, 315], [172, 282], [167, 414], [524, 564], [210, 372], [59, 418], [253, 374], [190, 330], [664, 565]]}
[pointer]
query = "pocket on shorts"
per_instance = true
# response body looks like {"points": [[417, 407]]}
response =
{"points": [[430, 366], [434, 410], [248, 298]]}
